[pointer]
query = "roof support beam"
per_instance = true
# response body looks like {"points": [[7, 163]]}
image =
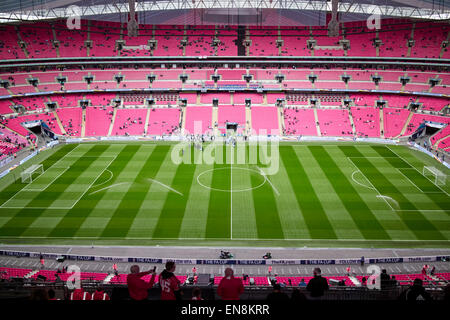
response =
{"points": [[116, 8]]}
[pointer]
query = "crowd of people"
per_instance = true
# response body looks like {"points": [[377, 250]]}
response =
{"points": [[230, 288]]}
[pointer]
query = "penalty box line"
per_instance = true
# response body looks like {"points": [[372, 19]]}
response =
{"points": [[382, 196], [412, 167], [63, 208], [374, 188]]}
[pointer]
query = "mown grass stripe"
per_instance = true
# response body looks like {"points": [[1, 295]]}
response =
{"points": [[315, 217], [171, 217], [74, 219], [268, 222], [219, 219], [363, 217], [26, 216], [129, 206], [414, 220]]}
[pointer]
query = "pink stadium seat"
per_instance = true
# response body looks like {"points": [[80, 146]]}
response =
{"points": [[231, 114], [71, 120], [394, 119], [163, 121], [198, 120], [98, 121], [366, 121], [299, 122], [265, 121], [129, 122], [334, 122]]}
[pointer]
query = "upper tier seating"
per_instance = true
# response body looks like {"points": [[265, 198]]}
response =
{"points": [[428, 39], [199, 42], [294, 42], [39, 39], [169, 41], [104, 35], [227, 46], [263, 42], [71, 41]]}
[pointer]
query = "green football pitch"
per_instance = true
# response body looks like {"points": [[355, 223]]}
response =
{"points": [[327, 194]]}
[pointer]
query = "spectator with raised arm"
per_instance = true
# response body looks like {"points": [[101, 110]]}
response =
{"points": [[137, 287]]}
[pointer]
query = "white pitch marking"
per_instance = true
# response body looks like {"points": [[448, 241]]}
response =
{"points": [[110, 177], [267, 179], [164, 185], [389, 198], [412, 167], [361, 184], [382, 197], [108, 187]]}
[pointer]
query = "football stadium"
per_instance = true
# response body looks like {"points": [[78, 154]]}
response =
{"points": [[294, 149]]}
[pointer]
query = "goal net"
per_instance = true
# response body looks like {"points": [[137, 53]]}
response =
{"points": [[27, 174], [435, 175]]}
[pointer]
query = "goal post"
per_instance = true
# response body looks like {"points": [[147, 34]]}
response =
{"points": [[27, 174], [435, 175]]}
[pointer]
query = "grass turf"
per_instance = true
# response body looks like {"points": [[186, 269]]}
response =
{"points": [[339, 194]]}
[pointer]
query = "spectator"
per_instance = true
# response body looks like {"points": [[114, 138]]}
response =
{"points": [[385, 279], [51, 294], [417, 292], [39, 294], [80, 294], [170, 285], [447, 293], [277, 294], [230, 288], [137, 287], [302, 283], [197, 294], [100, 294], [297, 295], [317, 285]]}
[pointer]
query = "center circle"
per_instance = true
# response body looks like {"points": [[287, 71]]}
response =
{"points": [[204, 179]]}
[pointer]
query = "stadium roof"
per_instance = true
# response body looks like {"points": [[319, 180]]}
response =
{"points": [[116, 10]]}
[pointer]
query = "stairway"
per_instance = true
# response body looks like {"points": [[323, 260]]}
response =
{"points": [[381, 123], [29, 275], [83, 123], [248, 120], [58, 121], [215, 119], [405, 125], [111, 126], [19, 37], [108, 278], [352, 122], [281, 120], [183, 120], [316, 118], [355, 281], [240, 41], [147, 120]]}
